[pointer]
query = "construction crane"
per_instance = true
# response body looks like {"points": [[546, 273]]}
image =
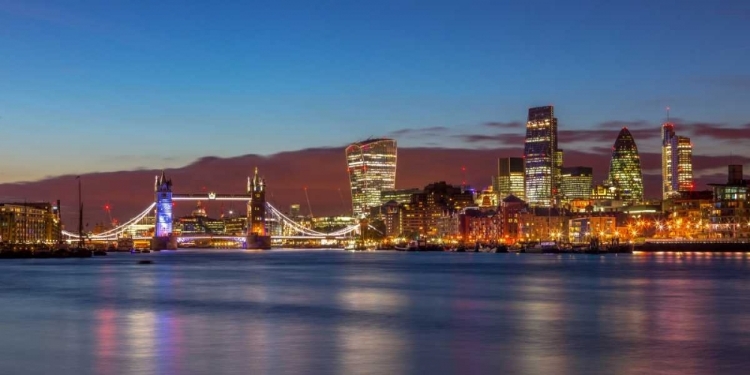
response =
{"points": [[309, 206], [108, 208]]}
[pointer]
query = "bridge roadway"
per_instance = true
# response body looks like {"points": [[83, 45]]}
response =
{"points": [[211, 197], [244, 238]]}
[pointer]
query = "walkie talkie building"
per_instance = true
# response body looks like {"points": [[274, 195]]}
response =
{"points": [[372, 170]]}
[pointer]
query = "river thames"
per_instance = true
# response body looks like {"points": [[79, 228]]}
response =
{"points": [[336, 312]]}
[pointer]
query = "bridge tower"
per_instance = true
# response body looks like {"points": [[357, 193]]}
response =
{"points": [[257, 238], [163, 238]]}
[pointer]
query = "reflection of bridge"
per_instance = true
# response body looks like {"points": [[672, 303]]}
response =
{"points": [[157, 219]]}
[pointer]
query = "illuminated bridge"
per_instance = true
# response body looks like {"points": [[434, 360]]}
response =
{"points": [[157, 218]]}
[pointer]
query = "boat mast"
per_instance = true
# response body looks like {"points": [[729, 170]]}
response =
{"points": [[80, 215]]}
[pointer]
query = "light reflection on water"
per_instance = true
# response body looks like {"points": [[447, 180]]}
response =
{"points": [[234, 312]]}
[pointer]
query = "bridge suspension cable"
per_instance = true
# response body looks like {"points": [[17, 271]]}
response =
{"points": [[115, 232], [119, 230], [299, 228]]}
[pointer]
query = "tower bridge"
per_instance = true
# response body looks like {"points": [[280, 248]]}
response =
{"points": [[260, 213]]}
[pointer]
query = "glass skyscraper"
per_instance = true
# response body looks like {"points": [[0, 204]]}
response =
{"points": [[510, 178], [625, 168], [676, 162], [576, 182], [372, 170], [542, 169]]}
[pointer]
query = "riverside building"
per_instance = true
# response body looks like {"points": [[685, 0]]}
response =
{"points": [[29, 223]]}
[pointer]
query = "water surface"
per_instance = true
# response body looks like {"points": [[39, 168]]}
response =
{"points": [[336, 312]]}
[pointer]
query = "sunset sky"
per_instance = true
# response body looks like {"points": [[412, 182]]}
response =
{"points": [[106, 86]]}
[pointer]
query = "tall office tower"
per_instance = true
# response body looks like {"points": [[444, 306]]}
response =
{"points": [[540, 157], [557, 171], [576, 182], [676, 162], [667, 133], [372, 170], [682, 164], [510, 178], [625, 168]]}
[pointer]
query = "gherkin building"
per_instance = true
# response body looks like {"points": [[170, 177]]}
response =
{"points": [[625, 168]]}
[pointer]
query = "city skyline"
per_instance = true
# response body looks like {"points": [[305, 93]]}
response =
{"points": [[140, 87], [322, 171]]}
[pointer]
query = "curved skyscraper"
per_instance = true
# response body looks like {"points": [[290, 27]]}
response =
{"points": [[625, 168], [372, 169]]}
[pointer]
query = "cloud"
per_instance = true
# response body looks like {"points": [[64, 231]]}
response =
{"points": [[602, 137], [420, 132], [719, 131], [617, 124], [571, 136], [504, 125], [504, 139]]}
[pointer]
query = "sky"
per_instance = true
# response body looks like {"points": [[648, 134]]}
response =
{"points": [[91, 86]]}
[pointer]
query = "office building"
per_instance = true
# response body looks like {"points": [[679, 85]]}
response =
{"points": [[510, 178], [676, 162], [398, 196], [540, 157], [576, 183], [625, 168], [372, 170]]}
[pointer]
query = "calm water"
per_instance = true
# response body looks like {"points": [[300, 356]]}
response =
{"points": [[335, 312]]}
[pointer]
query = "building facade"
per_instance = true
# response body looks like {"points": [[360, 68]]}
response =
{"points": [[576, 183], [420, 217], [540, 157], [510, 178], [480, 226], [676, 162], [731, 209], [29, 223], [625, 168], [372, 170], [398, 196]]}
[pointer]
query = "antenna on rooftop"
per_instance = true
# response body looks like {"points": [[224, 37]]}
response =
{"points": [[667, 114]]}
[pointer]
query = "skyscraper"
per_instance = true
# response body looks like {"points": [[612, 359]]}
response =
{"points": [[625, 168], [372, 169], [676, 162], [510, 178], [540, 157], [576, 182]]}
